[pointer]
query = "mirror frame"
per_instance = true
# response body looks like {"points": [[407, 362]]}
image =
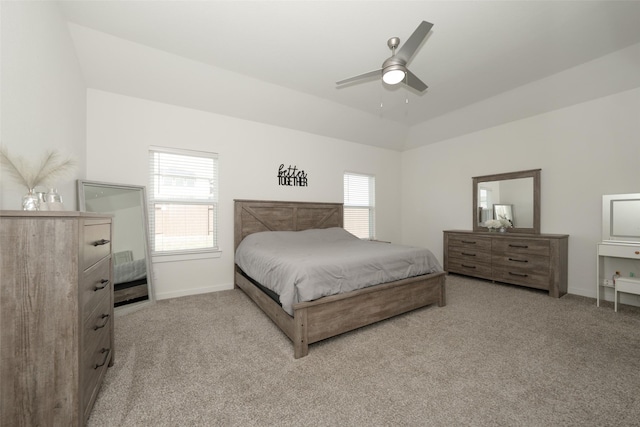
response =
{"points": [[533, 173], [145, 220]]}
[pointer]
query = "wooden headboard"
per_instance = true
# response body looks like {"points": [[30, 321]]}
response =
{"points": [[252, 216]]}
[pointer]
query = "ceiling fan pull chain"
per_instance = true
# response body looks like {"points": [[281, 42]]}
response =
{"points": [[406, 94]]}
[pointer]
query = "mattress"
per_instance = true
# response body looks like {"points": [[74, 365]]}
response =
{"points": [[306, 265]]}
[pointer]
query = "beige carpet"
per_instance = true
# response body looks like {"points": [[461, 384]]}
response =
{"points": [[496, 355]]}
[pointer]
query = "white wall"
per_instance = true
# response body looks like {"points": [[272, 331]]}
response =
{"points": [[121, 129], [42, 94], [584, 151]]}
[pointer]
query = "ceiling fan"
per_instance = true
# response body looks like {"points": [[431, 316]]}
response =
{"points": [[394, 69]]}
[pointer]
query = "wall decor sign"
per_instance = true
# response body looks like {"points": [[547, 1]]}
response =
{"points": [[292, 176]]}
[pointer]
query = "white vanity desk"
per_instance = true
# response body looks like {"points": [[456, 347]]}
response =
{"points": [[628, 251]]}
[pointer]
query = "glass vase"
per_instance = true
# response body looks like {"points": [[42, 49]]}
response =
{"points": [[54, 200], [30, 201]]}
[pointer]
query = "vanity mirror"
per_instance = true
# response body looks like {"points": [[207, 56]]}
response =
{"points": [[515, 195], [132, 276]]}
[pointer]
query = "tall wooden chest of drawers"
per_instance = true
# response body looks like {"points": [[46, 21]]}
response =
{"points": [[56, 315], [532, 260]]}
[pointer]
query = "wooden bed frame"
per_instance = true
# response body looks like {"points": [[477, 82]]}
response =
{"points": [[332, 315]]}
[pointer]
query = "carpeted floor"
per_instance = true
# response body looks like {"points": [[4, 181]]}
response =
{"points": [[496, 355]]}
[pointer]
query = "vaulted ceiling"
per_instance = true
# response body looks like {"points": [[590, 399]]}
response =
{"points": [[277, 62]]}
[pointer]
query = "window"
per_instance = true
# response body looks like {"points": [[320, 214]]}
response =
{"points": [[359, 205], [483, 198], [183, 201]]}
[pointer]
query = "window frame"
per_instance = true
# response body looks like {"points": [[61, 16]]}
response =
{"points": [[214, 203]]}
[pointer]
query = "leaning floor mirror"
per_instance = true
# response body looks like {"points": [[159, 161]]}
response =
{"points": [[132, 276]]}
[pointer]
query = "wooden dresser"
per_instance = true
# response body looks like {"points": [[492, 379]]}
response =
{"points": [[56, 315], [533, 260]]}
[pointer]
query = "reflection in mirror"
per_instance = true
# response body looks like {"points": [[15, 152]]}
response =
{"points": [[504, 212], [514, 195], [131, 261]]}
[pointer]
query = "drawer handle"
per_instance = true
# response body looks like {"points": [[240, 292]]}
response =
{"points": [[467, 254], [468, 241], [519, 246], [105, 317], [101, 242], [104, 283], [106, 353], [518, 274], [468, 266], [518, 260], [637, 252]]}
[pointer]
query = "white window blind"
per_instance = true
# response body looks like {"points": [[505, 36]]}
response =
{"points": [[359, 205], [483, 198], [183, 201]]}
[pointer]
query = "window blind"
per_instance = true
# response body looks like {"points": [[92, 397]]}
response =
{"points": [[183, 201], [359, 205]]}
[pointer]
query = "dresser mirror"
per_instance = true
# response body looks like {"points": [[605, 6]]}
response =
{"points": [[132, 278], [514, 196]]}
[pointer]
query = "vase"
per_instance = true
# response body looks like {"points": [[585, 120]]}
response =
{"points": [[42, 201], [30, 201], [502, 230], [492, 230], [54, 200], [53, 197]]}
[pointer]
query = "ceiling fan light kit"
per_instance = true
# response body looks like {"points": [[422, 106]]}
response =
{"points": [[393, 77], [394, 69], [393, 74]]}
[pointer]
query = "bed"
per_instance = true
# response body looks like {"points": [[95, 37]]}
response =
{"points": [[327, 316], [129, 278]]}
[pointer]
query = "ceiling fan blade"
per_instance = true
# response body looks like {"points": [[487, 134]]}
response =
{"points": [[376, 73], [413, 81], [410, 47]]}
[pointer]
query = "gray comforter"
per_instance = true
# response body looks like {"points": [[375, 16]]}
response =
{"points": [[307, 265], [129, 271]]}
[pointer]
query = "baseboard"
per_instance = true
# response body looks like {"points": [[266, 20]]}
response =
{"points": [[582, 292], [193, 291]]}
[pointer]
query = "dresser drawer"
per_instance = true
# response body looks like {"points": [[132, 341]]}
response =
{"points": [[469, 254], [96, 243], [469, 267], [469, 241], [97, 351], [95, 362], [98, 322], [520, 246], [619, 251], [522, 262], [522, 276], [95, 286]]}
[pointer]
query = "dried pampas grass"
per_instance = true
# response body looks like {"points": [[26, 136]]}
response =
{"points": [[50, 168]]}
